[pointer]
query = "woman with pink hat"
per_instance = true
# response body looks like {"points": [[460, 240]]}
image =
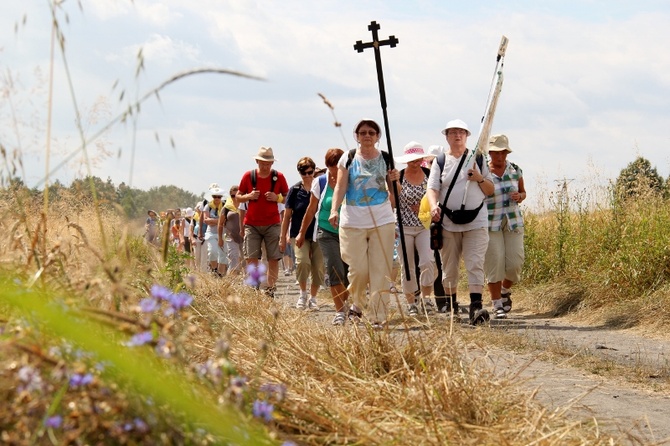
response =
{"points": [[412, 187]]}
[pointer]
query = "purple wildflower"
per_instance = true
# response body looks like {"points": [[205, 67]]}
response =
{"points": [[148, 305], [31, 377], [237, 384], [263, 410], [163, 348], [141, 426], [278, 390], [78, 379], [288, 443], [160, 292], [53, 422], [255, 274], [190, 281], [180, 300], [140, 339]]}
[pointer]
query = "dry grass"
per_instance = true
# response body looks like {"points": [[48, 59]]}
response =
{"points": [[343, 386]]}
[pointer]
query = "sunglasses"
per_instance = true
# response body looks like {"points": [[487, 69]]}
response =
{"points": [[306, 173], [233, 195], [216, 196], [369, 132]]}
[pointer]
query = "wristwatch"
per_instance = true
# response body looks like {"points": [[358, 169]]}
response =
{"points": [[480, 182]]}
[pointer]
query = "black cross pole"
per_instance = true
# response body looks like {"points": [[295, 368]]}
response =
{"points": [[392, 41]]}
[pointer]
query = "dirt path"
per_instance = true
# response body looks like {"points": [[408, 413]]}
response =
{"points": [[638, 411]]}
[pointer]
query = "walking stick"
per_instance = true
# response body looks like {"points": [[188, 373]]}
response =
{"points": [[392, 41]]}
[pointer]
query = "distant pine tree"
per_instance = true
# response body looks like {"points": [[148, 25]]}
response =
{"points": [[638, 179]]}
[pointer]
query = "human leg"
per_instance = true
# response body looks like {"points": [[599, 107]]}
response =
{"points": [[353, 248], [380, 264]]}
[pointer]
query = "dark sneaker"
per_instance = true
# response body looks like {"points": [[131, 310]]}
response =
{"points": [[478, 316], [507, 302], [354, 314], [270, 292]]}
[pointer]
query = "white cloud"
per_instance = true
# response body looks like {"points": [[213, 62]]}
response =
{"points": [[585, 81]]}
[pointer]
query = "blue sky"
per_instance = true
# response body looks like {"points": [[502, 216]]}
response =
{"points": [[585, 91]]}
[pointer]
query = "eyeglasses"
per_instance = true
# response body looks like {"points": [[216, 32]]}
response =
{"points": [[233, 195], [216, 196], [369, 132], [307, 173]]}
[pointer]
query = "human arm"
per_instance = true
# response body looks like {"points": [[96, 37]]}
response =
{"points": [[219, 228], [484, 183], [391, 176], [433, 197], [286, 219], [338, 195], [521, 194], [307, 220]]}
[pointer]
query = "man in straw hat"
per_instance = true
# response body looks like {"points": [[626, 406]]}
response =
{"points": [[505, 254], [262, 189]]}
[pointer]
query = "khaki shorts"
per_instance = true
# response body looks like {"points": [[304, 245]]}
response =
{"points": [[255, 236]]}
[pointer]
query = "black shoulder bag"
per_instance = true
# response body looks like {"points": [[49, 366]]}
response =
{"points": [[436, 226]]}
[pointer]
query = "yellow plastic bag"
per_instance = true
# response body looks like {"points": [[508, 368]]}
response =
{"points": [[424, 212]]}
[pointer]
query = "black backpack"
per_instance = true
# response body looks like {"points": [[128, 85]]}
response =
{"points": [[426, 172], [273, 179]]}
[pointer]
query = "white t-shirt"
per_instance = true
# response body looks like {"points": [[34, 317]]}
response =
{"points": [[366, 203], [474, 196]]}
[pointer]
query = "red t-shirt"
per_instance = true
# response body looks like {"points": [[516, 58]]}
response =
{"points": [[262, 212]]}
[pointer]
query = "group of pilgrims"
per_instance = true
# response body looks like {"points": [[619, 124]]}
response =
{"points": [[340, 226]]}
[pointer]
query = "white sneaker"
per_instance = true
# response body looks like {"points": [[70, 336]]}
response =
{"points": [[339, 318], [313, 305], [302, 303], [499, 313]]}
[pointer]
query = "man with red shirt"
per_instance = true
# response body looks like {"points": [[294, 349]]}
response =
{"points": [[261, 221]]}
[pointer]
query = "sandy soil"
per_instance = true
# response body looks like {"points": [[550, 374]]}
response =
{"points": [[634, 412]]}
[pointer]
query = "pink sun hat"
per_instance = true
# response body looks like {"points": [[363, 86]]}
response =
{"points": [[413, 151]]}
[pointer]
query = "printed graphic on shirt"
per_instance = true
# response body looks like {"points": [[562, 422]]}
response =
{"points": [[368, 187]]}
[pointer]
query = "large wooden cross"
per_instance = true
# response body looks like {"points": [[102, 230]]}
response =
{"points": [[392, 41]]}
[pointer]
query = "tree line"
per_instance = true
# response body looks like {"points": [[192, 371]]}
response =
{"points": [[132, 202], [638, 179]]}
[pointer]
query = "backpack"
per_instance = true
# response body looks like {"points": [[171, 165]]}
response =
{"points": [[385, 155], [441, 158], [273, 179]]}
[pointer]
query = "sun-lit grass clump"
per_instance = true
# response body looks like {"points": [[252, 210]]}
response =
{"points": [[614, 260]]}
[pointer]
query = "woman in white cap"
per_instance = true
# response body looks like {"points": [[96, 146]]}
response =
{"points": [[462, 238], [413, 184], [366, 221], [505, 254]]}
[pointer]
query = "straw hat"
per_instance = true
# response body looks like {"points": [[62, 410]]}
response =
{"points": [[265, 154], [498, 143]]}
